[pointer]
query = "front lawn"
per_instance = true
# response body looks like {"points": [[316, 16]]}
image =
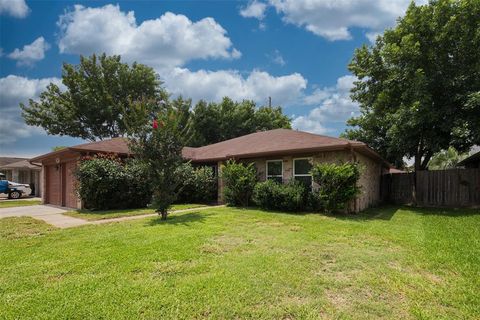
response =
{"points": [[109, 214], [224, 263], [18, 203]]}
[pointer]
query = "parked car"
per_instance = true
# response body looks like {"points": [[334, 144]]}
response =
{"points": [[14, 190]]}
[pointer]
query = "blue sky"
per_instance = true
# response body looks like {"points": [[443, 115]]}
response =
{"points": [[295, 51]]}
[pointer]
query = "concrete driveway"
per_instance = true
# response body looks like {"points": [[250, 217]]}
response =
{"points": [[50, 215]]}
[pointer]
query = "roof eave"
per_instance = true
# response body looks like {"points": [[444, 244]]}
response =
{"points": [[100, 151], [48, 155], [373, 154]]}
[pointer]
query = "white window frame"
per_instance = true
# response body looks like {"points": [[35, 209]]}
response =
{"points": [[273, 176], [301, 174]]}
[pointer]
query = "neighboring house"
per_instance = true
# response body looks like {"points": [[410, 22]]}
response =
{"points": [[279, 154], [472, 162], [22, 171]]}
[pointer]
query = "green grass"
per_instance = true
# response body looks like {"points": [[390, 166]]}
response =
{"points": [[224, 263], [109, 214], [18, 203]]}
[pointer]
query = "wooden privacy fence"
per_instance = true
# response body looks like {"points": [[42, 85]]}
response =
{"points": [[436, 188]]}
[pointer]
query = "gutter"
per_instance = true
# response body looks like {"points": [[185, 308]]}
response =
{"points": [[37, 164], [47, 155]]}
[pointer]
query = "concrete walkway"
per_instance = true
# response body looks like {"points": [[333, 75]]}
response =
{"points": [[50, 215], [120, 219], [54, 216]]}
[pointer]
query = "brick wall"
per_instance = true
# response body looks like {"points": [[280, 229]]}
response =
{"points": [[220, 197], [369, 178], [71, 199], [369, 182]]}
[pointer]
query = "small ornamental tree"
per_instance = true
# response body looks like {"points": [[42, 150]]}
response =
{"points": [[337, 184], [158, 145], [239, 181]]}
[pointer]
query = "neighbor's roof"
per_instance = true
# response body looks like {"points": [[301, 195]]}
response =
{"points": [[22, 164], [473, 158], [259, 144], [7, 160]]}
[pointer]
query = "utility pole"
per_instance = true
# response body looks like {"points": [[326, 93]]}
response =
{"points": [[270, 102]]}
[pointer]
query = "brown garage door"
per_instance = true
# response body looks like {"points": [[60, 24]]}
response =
{"points": [[53, 185]]}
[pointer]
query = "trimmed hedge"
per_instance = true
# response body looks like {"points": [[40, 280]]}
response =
{"points": [[199, 184], [105, 182], [239, 180], [337, 184], [272, 195]]}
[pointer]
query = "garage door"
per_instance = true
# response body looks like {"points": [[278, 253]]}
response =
{"points": [[53, 184]]}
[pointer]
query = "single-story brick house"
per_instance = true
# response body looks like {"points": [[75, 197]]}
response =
{"points": [[280, 154]]}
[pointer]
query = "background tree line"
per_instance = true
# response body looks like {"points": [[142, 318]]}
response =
{"points": [[101, 96]]}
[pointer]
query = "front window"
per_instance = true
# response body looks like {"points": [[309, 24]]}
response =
{"points": [[301, 171], [275, 170]]}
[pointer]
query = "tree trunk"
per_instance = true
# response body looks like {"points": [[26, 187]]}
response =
{"points": [[418, 162], [426, 160], [418, 166], [163, 214]]}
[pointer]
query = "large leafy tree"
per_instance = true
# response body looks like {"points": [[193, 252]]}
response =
{"points": [[419, 85], [99, 92], [215, 122]]}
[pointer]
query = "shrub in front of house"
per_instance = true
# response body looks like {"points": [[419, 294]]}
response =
{"points": [[337, 184], [105, 182], [239, 180], [272, 195], [199, 184]]}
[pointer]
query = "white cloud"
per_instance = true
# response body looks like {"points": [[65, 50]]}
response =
{"points": [[332, 19], [171, 40], [15, 8], [214, 85], [13, 91], [166, 44], [30, 53], [277, 58], [333, 105], [254, 9]]}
